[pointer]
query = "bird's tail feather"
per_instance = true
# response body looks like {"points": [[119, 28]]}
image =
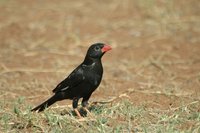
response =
{"points": [[46, 104]]}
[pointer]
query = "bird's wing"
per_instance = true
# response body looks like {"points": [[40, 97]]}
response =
{"points": [[74, 79]]}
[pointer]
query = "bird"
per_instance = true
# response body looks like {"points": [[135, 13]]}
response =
{"points": [[81, 82]]}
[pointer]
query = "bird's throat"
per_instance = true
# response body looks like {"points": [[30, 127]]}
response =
{"points": [[91, 61]]}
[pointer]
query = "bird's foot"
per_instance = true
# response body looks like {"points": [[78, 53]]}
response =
{"points": [[88, 112], [78, 113], [80, 118]]}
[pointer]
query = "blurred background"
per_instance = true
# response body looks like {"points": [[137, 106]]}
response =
{"points": [[155, 57]]}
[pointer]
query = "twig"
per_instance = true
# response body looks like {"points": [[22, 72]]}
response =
{"points": [[194, 102]]}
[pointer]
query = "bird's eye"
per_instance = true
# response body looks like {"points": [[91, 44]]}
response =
{"points": [[96, 48]]}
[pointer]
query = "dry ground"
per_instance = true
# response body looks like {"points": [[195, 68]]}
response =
{"points": [[151, 79]]}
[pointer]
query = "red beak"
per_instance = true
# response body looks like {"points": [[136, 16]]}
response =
{"points": [[106, 48]]}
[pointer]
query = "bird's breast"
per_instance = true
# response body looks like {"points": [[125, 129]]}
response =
{"points": [[93, 74], [94, 80]]}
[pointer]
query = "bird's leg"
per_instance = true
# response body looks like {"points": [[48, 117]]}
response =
{"points": [[77, 113], [75, 105], [84, 105]]}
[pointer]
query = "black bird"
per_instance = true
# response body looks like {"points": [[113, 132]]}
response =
{"points": [[82, 82]]}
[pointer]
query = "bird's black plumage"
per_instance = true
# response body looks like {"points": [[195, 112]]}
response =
{"points": [[82, 82]]}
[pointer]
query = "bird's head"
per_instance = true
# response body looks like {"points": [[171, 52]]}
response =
{"points": [[97, 50]]}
